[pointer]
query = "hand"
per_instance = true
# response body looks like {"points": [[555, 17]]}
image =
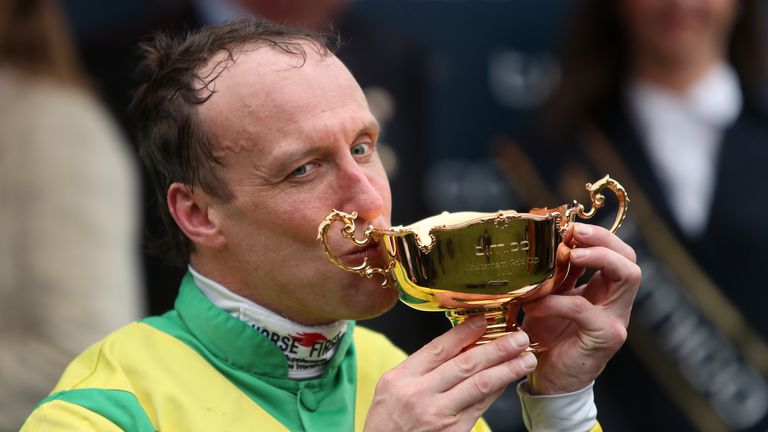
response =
{"points": [[583, 327], [441, 388]]}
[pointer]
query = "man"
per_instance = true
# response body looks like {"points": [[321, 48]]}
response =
{"points": [[254, 132]]}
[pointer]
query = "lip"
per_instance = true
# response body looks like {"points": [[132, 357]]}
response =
{"points": [[356, 256]]}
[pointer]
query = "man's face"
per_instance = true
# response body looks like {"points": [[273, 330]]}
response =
{"points": [[295, 142]]}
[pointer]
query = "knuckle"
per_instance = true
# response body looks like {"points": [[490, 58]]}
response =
{"points": [[636, 275], [436, 349], [437, 412], [388, 380], [616, 334], [398, 394], [502, 345], [466, 364], [631, 254], [482, 384]]}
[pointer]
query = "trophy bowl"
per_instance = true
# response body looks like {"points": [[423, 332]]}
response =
{"points": [[470, 263]]}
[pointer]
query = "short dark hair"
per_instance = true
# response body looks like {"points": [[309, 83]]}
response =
{"points": [[173, 143]]}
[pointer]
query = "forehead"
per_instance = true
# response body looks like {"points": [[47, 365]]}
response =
{"points": [[266, 91]]}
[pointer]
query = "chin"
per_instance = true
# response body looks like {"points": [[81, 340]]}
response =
{"points": [[374, 300]]}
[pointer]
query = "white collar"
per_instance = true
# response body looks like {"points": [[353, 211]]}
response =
{"points": [[714, 99], [308, 349]]}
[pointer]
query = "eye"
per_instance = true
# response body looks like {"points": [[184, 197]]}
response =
{"points": [[361, 149], [302, 170]]}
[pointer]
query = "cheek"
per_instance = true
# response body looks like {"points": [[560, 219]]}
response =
{"points": [[380, 181], [300, 217], [382, 187], [267, 223]]}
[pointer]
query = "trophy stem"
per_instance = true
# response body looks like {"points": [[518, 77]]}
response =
{"points": [[501, 321]]}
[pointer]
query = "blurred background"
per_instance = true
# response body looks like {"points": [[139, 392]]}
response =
{"points": [[490, 104]]}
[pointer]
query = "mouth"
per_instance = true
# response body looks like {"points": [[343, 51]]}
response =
{"points": [[371, 251]]}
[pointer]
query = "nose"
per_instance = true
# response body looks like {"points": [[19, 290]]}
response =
{"points": [[359, 192]]}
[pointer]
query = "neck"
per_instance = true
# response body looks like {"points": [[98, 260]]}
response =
{"points": [[219, 268], [308, 349]]}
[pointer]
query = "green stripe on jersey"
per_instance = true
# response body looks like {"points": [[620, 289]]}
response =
{"points": [[118, 406]]}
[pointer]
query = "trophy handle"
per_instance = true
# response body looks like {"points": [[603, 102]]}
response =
{"points": [[598, 200], [348, 231]]}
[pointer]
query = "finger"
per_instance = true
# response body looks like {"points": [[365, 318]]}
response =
{"points": [[477, 388], [600, 291], [473, 412], [546, 330], [592, 235], [616, 281], [613, 265], [569, 284], [444, 347], [600, 329], [579, 290], [574, 272], [571, 308], [479, 358], [482, 407], [465, 419]]}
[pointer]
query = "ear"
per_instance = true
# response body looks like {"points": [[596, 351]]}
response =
{"points": [[190, 209]]}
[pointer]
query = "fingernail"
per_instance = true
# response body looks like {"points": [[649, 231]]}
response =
{"points": [[528, 361], [583, 229], [579, 254], [519, 339], [476, 321]]}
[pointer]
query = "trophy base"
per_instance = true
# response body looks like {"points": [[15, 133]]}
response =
{"points": [[501, 321]]}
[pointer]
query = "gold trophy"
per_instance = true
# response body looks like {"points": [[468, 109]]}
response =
{"points": [[470, 263]]}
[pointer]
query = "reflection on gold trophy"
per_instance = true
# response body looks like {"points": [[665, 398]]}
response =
{"points": [[470, 263]]}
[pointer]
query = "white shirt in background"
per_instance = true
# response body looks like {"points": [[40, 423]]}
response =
{"points": [[682, 134]]}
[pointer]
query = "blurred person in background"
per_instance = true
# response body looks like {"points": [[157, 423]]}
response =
{"points": [[68, 219], [667, 96]]}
